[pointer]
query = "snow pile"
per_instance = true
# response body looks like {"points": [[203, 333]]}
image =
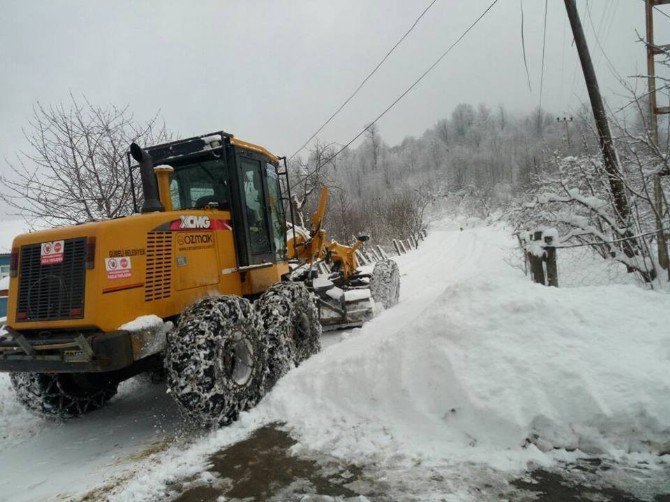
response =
{"points": [[143, 323], [488, 373], [492, 368]]}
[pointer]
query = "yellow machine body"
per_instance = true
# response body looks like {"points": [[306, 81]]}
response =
{"points": [[145, 264]]}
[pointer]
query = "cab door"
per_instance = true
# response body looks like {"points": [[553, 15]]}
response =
{"points": [[254, 210]]}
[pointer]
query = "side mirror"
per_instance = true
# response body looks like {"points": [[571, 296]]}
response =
{"points": [[363, 238]]}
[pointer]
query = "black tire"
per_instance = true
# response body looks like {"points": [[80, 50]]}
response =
{"points": [[385, 283], [62, 395], [291, 324], [215, 360]]}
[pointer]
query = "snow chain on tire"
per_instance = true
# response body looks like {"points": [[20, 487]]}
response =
{"points": [[385, 283], [59, 395], [215, 359], [291, 323]]}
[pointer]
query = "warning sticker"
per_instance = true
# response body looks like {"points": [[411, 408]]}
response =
{"points": [[118, 268], [52, 252]]}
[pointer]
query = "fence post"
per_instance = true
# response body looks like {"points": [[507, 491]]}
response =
{"points": [[397, 247], [536, 268], [402, 245], [381, 252], [550, 259], [361, 258]]}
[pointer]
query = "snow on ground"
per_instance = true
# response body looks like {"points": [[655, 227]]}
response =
{"points": [[47, 460], [476, 370]]}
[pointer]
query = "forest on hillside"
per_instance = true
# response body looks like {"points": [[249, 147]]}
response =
{"points": [[476, 160]]}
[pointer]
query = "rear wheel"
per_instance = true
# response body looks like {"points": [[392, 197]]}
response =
{"points": [[291, 324], [215, 359], [62, 395], [385, 283]]}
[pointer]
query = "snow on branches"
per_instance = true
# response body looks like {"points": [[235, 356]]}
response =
{"points": [[574, 196]]}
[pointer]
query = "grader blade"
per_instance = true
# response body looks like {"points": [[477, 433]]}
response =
{"points": [[341, 308]]}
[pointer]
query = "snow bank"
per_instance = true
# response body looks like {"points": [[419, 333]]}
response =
{"points": [[490, 372], [492, 369]]}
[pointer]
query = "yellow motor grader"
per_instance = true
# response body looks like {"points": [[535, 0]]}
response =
{"points": [[206, 283]]}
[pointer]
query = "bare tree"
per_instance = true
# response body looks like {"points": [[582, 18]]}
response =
{"points": [[75, 169], [310, 176]]}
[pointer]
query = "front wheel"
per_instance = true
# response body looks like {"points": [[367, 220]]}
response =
{"points": [[215, 360], [291, 324], [385, 283], [62, 395]]}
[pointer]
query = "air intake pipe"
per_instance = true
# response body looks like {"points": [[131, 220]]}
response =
{"points": [[151, 202]]}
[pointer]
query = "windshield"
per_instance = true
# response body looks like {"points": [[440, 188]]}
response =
{"points": [[196, 185]]}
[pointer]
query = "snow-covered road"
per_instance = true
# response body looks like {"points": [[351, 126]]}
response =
{"points": [[476, 374]]}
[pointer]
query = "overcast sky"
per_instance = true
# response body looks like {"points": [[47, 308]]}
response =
{"points": [[271, 71]]}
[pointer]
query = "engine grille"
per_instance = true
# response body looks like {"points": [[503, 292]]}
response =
{"points": [[158, 281], [52, 292]]}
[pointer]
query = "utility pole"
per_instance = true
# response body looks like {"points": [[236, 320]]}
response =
{"points": [[566, 121], [609, 156], [654, 111]]}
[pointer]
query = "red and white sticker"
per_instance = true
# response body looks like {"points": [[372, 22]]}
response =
{"points": [[52, 252], [118, 268]]}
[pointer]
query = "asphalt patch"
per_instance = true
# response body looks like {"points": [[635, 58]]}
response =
{"points": [[261, 468]]}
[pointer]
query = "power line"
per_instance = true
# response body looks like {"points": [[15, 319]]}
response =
{"points": [[610, 65], [360, 86], [414, 84], [660, 11], [544, 43], [523, 48]]}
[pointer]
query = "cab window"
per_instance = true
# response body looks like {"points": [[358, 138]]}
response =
{"points": [[252, 184], [277, 218], [196, 185]]}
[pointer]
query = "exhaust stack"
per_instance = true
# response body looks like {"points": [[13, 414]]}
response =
{"points": [[149, 183]]}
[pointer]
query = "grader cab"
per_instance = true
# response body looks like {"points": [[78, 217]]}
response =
{"points": [[206, 282]]}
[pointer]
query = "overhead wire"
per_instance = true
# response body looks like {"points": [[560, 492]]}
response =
{"points": [[563, 58], [661, 11], [610, 65], [544, 44], [413, 85], [360, 86], [523, 48]]}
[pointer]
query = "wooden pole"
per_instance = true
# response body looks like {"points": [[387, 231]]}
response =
{"points": [[536, 268], [663, 258], [552, 266], [609, 156]]}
